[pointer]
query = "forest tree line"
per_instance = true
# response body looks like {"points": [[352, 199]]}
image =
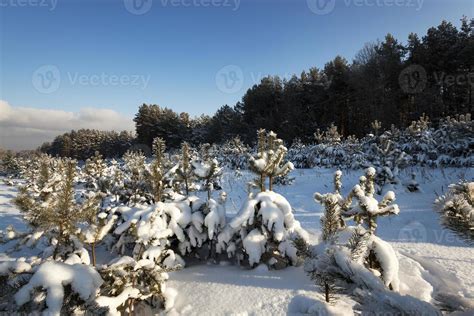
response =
{"points": [[388, 81]]}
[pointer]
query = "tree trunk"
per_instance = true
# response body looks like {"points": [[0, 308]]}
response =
{"points": [[370, 222], [60, 241], [326, 291], [93, 253]]}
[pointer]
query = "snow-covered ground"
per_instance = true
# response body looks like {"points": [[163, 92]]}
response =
{"points": [[434, 262]]}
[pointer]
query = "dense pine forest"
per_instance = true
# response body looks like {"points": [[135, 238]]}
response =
{"points": [[391, 82]]}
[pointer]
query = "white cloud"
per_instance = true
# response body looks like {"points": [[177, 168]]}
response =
{"points": [[27, 128]]}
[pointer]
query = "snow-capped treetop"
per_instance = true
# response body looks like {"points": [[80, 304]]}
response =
{"points": [[370, 172], [337, 181], [275, 211], [207, 171]]}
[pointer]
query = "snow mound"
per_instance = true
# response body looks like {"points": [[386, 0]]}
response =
{"points": [[17, 266], [53, 276]]}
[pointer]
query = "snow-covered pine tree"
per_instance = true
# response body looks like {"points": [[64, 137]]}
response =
{"points": [[389, 160], [135, 182], [42, 175], [42, 181], [233, 154], [212, 212], [333, 203], [156, 174], [94, 222], [184, 172], [457, 208], [116, 176], [331, 224], [208, 171], [420, 125], [346, 264], [10, 164], [376, 126], [453, 141], [331, 149], [318, 136], [332, 220], [419, 141], [56, 216], [130, 283], [269, 161], [320, 265], [330, 136], [351, 254], [95, 168], [301, 154], [254, 164], [368, 208], [263, 230], [61, 215]]}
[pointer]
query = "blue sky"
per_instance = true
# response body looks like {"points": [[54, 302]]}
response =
{"points": [[172, 55]]}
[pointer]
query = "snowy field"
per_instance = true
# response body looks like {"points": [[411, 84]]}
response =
{"points": [[435, 264]]}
